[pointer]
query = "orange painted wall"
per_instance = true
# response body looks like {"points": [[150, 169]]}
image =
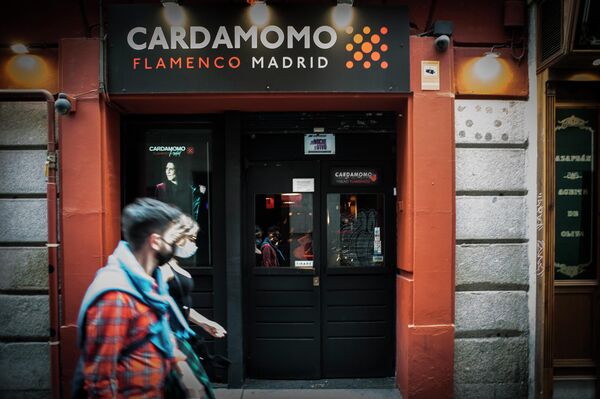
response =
{"points": [[90, 184], [425, 301], [426, 233]]}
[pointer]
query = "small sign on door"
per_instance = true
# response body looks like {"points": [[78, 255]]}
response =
{"points": [[303, 185], [319, 144]]}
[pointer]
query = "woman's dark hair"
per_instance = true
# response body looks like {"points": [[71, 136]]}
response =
{"points": [[146, 216], [273, 229]]}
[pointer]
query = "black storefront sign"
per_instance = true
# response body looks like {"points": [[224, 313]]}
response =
{"points": [[354, 177], [218, 49], [575, 193]]}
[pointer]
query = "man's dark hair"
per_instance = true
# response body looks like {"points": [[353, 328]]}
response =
{"points": [[273, 229], [146, 216]]}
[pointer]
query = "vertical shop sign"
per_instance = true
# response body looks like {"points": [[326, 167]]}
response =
{"points": [[576, 131]]}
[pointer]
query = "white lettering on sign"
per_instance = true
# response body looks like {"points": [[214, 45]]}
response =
{"points": [[348, 175], [572, 191], [161, 148], [194, 44], [288, 62], [130, 37], [572, 214], [240, 35], [177, 36], [198, 37], [158, 39], [574, 158], [222, 39], [571, 233], [293, 34]]}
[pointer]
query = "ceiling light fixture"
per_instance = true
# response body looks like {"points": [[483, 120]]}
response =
{"points": [[343, 13], [174, 14], [259, 12], [19, 48]]}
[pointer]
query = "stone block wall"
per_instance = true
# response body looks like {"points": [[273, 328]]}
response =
{"points": [[492, 279], [24, 350]]}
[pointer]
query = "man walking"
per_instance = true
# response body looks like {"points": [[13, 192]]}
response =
{"points": [[128, 348]]}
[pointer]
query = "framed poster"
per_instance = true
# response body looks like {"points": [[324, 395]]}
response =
{"points": [[177, 170]]}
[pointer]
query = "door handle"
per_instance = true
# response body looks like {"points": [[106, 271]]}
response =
{"points": [[316, 281]]}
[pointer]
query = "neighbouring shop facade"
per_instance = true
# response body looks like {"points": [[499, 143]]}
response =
{"points": [[403, 174]]}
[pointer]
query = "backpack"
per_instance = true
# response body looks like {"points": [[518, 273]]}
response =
{"points": [[78, 383]]}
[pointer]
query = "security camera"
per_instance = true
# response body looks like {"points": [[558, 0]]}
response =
{"points": [[441, 43], [63, 104]]}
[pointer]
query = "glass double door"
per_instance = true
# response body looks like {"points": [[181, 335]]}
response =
{"points": [[318, 270]]}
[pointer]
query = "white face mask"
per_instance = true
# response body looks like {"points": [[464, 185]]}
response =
{"points": [[187, 250]]}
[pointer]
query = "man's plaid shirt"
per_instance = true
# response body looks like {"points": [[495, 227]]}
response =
{"points": [[115, 321]]}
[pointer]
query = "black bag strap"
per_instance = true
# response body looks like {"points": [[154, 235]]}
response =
{"points": [[136, 345]]}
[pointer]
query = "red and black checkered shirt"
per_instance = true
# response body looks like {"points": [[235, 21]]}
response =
{"points": [[115, 321]]}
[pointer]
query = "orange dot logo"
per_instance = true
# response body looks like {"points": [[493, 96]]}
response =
{"points": [[366, 47]]}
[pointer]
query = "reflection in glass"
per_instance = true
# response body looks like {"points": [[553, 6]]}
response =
{"points": [[283, 230], [355, 230]]}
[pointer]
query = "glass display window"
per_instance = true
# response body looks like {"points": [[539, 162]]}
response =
{"points": [[355, 230], [177, 171]]}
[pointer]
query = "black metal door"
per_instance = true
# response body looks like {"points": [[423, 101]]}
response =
{"points": [[321, 303], [283, 334], [357, 259]]}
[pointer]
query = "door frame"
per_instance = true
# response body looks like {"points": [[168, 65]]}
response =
{"points": [[425, 262], [322, 188], [549, 85]]}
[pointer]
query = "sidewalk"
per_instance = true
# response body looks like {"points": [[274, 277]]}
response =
{"points": [[367, 388], [379, 393]]}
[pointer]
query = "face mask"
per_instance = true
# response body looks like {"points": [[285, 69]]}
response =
{"points": [[164, 257], [187, 250]]}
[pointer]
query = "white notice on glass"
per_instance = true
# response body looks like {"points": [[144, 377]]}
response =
{"points": [[303, 185], [303, 263]]}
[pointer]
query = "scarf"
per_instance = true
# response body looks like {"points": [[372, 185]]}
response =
{"points": [[124, 273], [266, 241]]}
